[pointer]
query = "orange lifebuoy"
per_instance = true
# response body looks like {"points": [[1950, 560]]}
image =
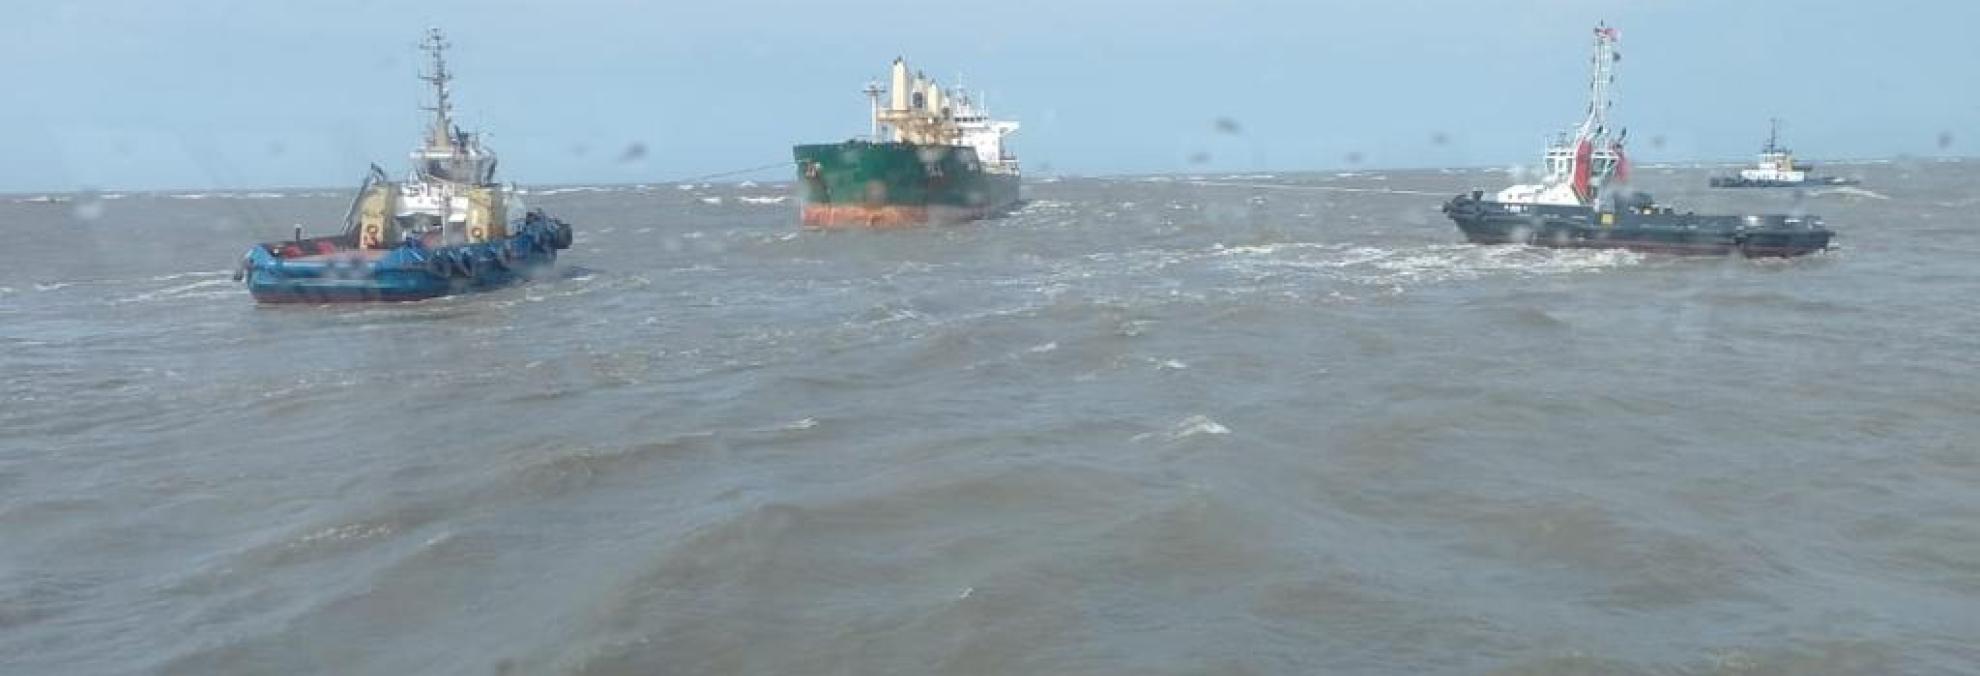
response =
{"points": [[371, 237]]}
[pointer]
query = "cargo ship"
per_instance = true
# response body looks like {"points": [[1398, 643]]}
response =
{"points": [[933, 156], [1777, 168], [1583, 201], [447, 228]]}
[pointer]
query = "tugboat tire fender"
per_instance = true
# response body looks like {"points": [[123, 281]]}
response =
{"points": [[463, 261]]}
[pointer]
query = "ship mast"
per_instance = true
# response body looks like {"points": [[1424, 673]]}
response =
{"points": [[1773, 136], [872, 92], [442, 132], [1605, 57]]}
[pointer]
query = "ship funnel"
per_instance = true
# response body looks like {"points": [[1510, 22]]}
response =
{"points": [[900, 85]]}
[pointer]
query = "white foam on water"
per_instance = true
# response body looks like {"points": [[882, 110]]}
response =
{"points": [[1187, 427], [765, 200], [1321, 188], [199, 273], [1399, 268], [1196, 425], [1849, 190], [711, 200], [192, 290], [355, 531]]}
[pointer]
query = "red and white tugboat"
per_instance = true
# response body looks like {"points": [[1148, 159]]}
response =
{"points": [[1580, 200]]}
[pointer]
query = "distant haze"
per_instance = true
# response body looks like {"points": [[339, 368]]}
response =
{"points": [[131, 94]]}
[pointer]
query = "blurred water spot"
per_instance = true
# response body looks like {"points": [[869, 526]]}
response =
{"points": [[634, 152], [88, 206], [1354, 157], [1227, 125], [1945, 140], [1439, 138], [1199, 157], [1657, 141]]}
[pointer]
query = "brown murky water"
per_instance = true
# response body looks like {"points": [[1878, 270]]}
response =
{"points": [[1245, 425]]}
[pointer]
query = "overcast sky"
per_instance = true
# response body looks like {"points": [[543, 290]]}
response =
{"points": [[139, 94]]}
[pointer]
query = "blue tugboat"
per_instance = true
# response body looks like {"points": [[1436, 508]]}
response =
{"points": [[447, 228], [1581, 201]]}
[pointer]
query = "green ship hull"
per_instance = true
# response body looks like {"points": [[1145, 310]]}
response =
{"points": [[886, 185]]}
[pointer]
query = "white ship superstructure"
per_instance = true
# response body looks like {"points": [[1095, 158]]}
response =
{"points": [[919, 111], [452, 180], [1579, 163], [1776, 161]]}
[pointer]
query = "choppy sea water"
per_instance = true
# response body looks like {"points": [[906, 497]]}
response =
{"points": [[1262, 424]]}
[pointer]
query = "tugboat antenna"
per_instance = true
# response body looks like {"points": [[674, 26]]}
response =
{"points": [[443, 110], [1773, 135], [1598, 85]]}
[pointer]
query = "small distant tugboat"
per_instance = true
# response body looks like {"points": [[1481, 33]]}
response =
{"points": [[1582, 202], [447, 228], [934, 157], [1778, 169]]}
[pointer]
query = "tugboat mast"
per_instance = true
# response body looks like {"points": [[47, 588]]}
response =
{"points": [[442, 133], [1773, 136], [1597, 123]]}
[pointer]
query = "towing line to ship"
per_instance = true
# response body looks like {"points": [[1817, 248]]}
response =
{"points": [[736, 172]]}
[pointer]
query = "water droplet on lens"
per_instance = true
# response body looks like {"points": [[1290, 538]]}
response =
{"points": [[88, 206]]}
